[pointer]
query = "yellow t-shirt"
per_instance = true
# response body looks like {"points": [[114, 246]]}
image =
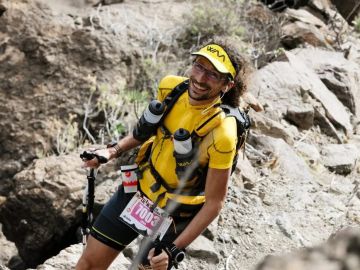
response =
{"points": [[217, 148]]}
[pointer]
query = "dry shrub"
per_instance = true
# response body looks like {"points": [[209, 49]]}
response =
{"points": [[210, 18]]}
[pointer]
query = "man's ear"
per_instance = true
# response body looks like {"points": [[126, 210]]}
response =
{"points": [[229, 86]]}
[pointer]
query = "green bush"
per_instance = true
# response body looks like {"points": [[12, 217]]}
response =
{"points": [[357, 24]]}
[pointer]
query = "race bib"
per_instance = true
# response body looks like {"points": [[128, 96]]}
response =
{"points": [[138, 215]]}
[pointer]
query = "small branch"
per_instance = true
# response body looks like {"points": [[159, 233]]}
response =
{"points": [[87, 106], [302, 138], [228, 262]]}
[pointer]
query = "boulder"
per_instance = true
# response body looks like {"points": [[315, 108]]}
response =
{"points": [[340, 158], [305, 16], [335, 111], [203, 248], [302, 117], [340, 75], [267, 126], [277, 87], [297, 178], [302, 27], [68, 258], [41, 215], [288, 85], [298, 33], [320, 5], [245, 171]]}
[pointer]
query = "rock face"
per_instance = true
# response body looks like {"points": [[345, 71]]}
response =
{"points": [[304, 28], [341, 252], [51, 55], [41, 211], [335, 111], [290, 89], [340, 75], [40, 75]]}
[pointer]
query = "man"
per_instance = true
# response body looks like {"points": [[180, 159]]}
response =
{"points": [[218, 75]]}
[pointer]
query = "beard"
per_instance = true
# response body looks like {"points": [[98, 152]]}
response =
{"points": [[201, 95]]}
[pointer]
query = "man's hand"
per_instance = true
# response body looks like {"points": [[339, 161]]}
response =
{"points": [[159, 262], [99, 156]]}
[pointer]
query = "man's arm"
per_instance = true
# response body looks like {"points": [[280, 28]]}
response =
{"points": [[215, 194], [123, 145]]}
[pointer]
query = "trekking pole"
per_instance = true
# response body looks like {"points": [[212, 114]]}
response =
{"points": [[87, 206], [170, 208], [88, 196]]}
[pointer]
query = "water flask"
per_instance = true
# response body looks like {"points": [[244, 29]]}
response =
{"points": [[148, 122], [182, 141], [154, 112], [183, 152]]}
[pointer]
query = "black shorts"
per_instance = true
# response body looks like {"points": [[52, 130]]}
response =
{"points": [[111, 231]]}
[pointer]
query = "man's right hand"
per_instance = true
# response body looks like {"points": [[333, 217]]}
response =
{"points": [[94, 158]]}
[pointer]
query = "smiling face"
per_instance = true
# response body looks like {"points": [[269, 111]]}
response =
{"points": [[206, 83]]}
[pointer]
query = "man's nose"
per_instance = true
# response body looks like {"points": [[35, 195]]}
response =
{"points": [[201, 76]]}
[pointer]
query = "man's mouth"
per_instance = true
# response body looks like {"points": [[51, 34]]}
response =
{"points": [[200, 87]]}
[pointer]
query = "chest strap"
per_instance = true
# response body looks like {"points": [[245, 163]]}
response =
{"points": [[196, 190]]}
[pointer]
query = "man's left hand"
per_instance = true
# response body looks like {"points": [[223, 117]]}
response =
{"points": [[159, 262]]}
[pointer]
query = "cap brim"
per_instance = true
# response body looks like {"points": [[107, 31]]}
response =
{"points": [[217, 64]]}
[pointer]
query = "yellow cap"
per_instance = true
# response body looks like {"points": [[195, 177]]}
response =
{"points": [[218, 57]]}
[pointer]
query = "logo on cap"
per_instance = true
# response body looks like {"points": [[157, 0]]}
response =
{"points": [[213, 50]]}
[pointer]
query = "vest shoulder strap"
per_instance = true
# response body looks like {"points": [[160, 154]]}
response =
{"points": [[173, 96], [243, 122], [205, 126]]}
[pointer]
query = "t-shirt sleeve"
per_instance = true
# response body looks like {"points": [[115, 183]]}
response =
{"points": [[223, 149]]}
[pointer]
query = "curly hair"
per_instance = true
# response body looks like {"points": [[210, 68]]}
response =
{"points": [[242, 67]]}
